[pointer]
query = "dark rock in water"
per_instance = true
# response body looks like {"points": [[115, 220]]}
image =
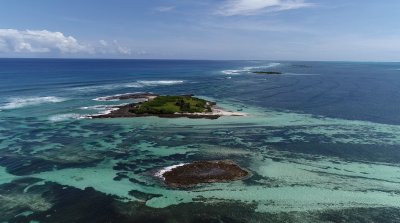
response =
{"points": [[266, 72], [189, 175], [143, 196]]}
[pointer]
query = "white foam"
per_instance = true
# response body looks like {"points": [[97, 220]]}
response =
{"points": [[270, 65], [160, 82], [136, 84], [96, 107], [232, 72], [249, 69], [103, 109], [96, 88], [107, 98], [164, 170], [65, 117], [19, 102], [133, 85], [273, 65]]}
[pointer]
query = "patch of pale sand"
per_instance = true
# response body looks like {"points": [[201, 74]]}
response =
{"points": [[5, 177], [217, 111], [222, 112]]}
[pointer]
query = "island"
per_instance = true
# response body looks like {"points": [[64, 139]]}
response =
{"points": [[164, 106], [266, 72], [199, 172], [173, 105]]}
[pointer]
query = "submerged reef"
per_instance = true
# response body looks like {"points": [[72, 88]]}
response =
{"points": [[51, 202], [17, 200], [189, 175], [48, 160]]}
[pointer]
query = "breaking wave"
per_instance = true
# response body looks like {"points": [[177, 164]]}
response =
{"points": [[136, 84], [108, 98], [20, 102], [102, 109], [249, 69], [65, 117], [164, 170], [158, 83]]}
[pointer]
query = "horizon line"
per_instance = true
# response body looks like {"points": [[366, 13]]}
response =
{"points": [[179, 59]]}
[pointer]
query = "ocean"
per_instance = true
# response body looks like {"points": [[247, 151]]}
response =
{"points": [[321, 140]]}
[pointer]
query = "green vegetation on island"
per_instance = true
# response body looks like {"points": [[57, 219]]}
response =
{"points": [[172, 105], [266, 72], [163, 107]]}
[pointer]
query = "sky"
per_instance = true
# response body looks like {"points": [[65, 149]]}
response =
{"points": [[318, 30]]}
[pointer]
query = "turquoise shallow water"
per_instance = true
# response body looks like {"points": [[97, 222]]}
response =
{"points": [[322, 142]]}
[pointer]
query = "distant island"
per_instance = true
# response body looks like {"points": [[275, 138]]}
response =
{"points": [[165, 106], [266, 72], [192, 174]]}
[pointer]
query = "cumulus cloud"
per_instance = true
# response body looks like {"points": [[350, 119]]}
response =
{"points": [[39, 41], [122, 49], [251, 7], [114, 47], [43, 42]]}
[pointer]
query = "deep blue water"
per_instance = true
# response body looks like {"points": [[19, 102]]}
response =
{"points": [[322, 141], [358, 91]]}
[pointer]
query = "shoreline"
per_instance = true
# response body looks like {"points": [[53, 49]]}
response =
{"points": [[161, 172], [124, 111], [186, 175]]}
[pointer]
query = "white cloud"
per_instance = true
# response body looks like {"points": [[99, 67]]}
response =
{"points": [[39, 41], [25, 42], [165, 8], [103, 42], [120, 49], [251, 7], [258, 26], [124, 50], [114, 47]]}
